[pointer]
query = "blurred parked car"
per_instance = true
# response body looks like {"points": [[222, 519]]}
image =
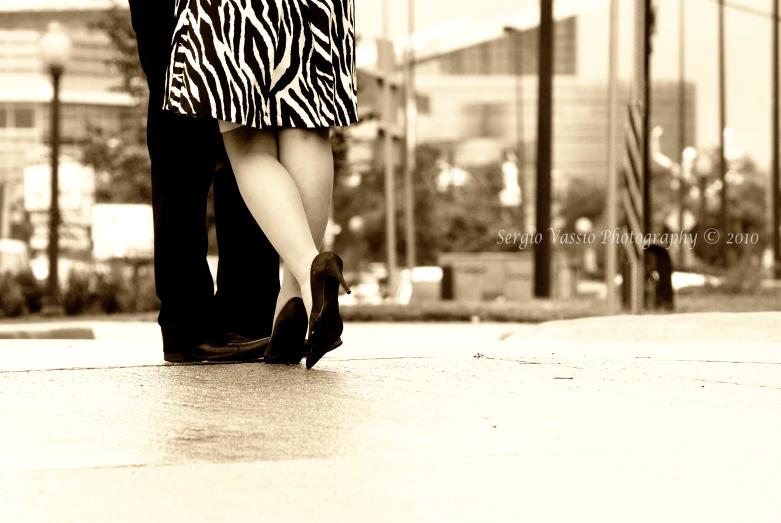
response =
{"points": [[14, 258]]}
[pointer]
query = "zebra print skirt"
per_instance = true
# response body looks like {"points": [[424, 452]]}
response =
{"points": [[264, 63]]}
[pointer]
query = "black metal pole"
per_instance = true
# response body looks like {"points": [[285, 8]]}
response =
{"points": [[410, 116], [521, 153], [722, 127], [703, 184], [681, 124], [776, 145], [2, 209], [647, 120], [542, 252], [516, 42], [54, 211]]}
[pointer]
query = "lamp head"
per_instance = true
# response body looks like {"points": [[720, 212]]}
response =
{"points": [[584, 226], [55, 48]]}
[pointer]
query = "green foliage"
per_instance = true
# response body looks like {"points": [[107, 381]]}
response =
{"points": [[116, 24], [529, 311], [19, 295], [464, 218], [12, 303], [119, 290], [366, 200], [121, 162], [144, 292], [746, 208], [743, 278], [110, 293], [584, 199], [122, 167], [76, 298], [32, 291]]}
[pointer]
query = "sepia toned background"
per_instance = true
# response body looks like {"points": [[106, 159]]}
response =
{"points": [[486, 374], [463, 158]]}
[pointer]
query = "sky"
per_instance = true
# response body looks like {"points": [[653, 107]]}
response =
{"points": [[430, 13], [748, 51], [748, 62]]}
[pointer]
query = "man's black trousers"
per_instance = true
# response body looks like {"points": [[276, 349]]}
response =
{"points": [[184, 154]]}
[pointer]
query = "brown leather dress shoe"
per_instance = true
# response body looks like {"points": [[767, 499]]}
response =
{"points": [[230, 347]]}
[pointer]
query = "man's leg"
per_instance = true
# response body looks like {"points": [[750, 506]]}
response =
{"points": [[183, 152], [182, 167], [248, 274]]}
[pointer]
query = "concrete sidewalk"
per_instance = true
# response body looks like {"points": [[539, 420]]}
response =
{"points": [[404, 422]]}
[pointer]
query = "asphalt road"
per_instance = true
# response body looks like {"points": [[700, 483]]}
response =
{"points": [[404, 422]]}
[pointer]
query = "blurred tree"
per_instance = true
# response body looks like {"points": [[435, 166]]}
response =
{"points": [[358, 198], [122, 167], [584, 199], [121, 162], [456, 218], [467, 218], [746, 206]]}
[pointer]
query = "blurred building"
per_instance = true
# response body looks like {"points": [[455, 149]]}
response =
{"points": [[479, 82], [89, 96]]}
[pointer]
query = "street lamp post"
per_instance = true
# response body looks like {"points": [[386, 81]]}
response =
{"points": [[515, 36], [722, 127], [410, 125], [55, 51], [681, 118], [704, 169], [775, 167]]}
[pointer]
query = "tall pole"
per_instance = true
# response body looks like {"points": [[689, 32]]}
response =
{"points": [[516, 42], [611, 258], [410, 128], [390, 189], [53, 298], [542, 251], [776, 145], [519, 134], [639, 99], [722, 127], [638, 90], [3, 218], [681, 123], [647, 20]]}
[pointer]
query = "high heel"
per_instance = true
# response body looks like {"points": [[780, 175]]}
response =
{"points": [[287, 341], [325, 324]]}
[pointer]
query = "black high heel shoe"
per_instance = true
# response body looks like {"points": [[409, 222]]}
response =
{"points": [[325, 325], [287, 343]]}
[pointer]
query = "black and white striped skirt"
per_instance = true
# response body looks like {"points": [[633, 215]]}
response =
{"points": [[264, 63]]}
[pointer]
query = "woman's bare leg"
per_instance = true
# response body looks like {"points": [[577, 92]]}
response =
{"points": [[274, 200], [307, 156]]}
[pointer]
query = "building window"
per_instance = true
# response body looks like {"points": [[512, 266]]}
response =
{"points": [[423, 104], [24, 118], [77, 119], [514, 53]]}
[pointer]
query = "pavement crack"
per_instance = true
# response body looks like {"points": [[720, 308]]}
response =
{"points": [[521, 362], [727, 361], [735, 383], [527, 362], [144, 366]]}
